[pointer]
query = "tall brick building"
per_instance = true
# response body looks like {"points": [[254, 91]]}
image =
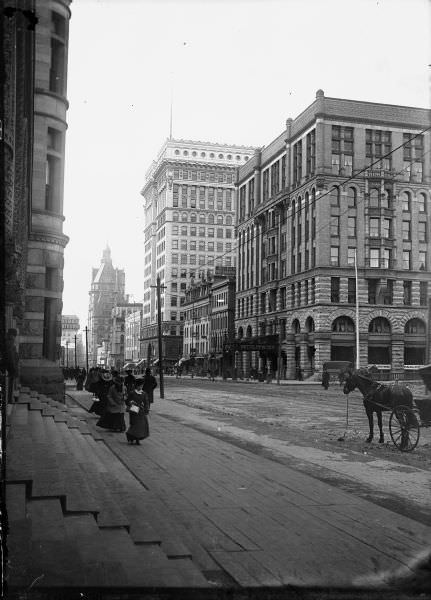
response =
{"points": [[34, 105], [189, 228], [345, 177]]}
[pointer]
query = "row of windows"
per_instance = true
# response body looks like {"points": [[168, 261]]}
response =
{"points": [[383, 258], [201, 245], [201, 259], [210, 198], [220, 156], [211, 219], [203, 232], [379, 199]]}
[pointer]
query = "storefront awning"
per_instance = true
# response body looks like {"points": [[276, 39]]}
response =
{"points": [[129, 366], [141, 362]]}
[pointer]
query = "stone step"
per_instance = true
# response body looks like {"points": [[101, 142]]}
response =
{"points": [[16, 502]]}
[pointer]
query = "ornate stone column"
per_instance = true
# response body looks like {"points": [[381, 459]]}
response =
{"points": [[289, 348]]}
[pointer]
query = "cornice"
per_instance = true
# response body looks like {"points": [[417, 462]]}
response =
{"points": [[48, 238]]}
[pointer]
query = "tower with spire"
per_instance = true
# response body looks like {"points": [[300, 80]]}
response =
{"points": [[107, 289]]}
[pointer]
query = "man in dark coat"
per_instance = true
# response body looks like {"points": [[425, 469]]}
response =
{"points": [[150, 384], [129, 381]]}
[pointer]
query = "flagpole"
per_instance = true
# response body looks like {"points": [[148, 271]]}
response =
{"points": [[357, 311]]}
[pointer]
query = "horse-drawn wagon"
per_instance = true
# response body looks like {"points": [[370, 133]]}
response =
{"points": [[404, 424]]}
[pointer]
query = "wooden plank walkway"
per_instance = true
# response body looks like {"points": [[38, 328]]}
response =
{"points": [[260, 521]]}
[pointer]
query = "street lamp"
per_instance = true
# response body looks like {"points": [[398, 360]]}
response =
{"points": [[67, 354]]}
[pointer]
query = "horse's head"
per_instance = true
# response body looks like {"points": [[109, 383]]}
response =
{"points": [[349, 382]]}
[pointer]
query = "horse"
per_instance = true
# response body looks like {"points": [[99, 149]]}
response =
{"points": [[377, 397]]}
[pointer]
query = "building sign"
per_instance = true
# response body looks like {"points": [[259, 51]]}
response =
{"points": [[254, 344]]}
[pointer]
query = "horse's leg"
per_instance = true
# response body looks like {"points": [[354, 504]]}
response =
{"points": [[379, 421], [369, 412]]}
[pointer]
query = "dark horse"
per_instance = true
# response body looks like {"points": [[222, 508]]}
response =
{"points": [[377, 397]]}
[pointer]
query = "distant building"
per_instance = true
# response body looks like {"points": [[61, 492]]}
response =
{"points": [[117, 332], [133, 326], [189, 225], [345, 178], [34, 73], [70, 329], [107, 289], [209, 321]]}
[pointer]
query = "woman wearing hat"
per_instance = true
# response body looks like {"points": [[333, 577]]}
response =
{"points": [[115, 407], [138, 407]]}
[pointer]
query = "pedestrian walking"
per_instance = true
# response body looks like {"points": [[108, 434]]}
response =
{"points": [[149, 384], [129, 381], [138, 408], [116, 407], [325, 379]]}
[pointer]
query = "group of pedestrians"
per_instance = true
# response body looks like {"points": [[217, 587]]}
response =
{"points": [[116, 396]]}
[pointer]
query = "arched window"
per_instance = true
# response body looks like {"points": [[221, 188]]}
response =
{"points": [[249, 331], [219, 219], [415, 326], [343, 325], [296, 327], [405, 198], [334, 196], [374, 198], [240, 333], [228, 220], [184, 217], [175, 216], [422, 202], [351, 197], [379, 325], [202, 218], [309, 325], [193, 217], [211, 219]]}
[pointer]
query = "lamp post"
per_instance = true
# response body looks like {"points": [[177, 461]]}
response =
{"points": [[67, 354]]}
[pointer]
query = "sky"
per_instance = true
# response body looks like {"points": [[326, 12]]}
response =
{"points": [[235, 70]]}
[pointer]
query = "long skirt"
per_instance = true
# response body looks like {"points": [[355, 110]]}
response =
{"points": [[112, 421], [98, 407], [139, 428]]}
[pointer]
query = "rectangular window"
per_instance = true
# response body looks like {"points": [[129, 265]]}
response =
{"points": [[310, 153], [174, 244], [183, 244], [406, 259], [202, 232], [49, 329], [335, 226], [351, 256], [351, 290], [292, 295], [219, 232], [406, 230], [372, 291], [374, 257], [336, 164], [335, 289], [386, 228], [57, 68], [407, 293], [335, 256], [175, 259], [374, 227], [422, 260], [422, 231], [183, 229], [297, 163], [351, 226]]}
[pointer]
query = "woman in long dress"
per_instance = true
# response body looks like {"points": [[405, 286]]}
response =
{"points": [[138, 407], [113, 418]]}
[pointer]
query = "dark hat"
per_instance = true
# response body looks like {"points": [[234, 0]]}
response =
{"points": [[106, 376], [148, 371]]}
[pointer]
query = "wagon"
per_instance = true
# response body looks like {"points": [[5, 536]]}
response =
{"points": [[404, 425]]}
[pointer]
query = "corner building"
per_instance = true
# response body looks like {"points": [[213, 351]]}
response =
{"points": [[35, 35], [344, 178], [189, 229]]}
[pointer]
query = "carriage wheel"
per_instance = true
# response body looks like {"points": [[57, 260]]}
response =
{"points": [[404, 428]]}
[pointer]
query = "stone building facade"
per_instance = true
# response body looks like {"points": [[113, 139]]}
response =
{"points": [[346, 180], [107, 290], [189, 224], [35, 105]]}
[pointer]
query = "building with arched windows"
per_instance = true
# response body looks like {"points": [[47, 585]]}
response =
{"points": [[345, 181]]}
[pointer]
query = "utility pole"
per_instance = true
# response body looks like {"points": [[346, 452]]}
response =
{"points": [[75, 353], [67, 354], [159, 329], [86, 347]]}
